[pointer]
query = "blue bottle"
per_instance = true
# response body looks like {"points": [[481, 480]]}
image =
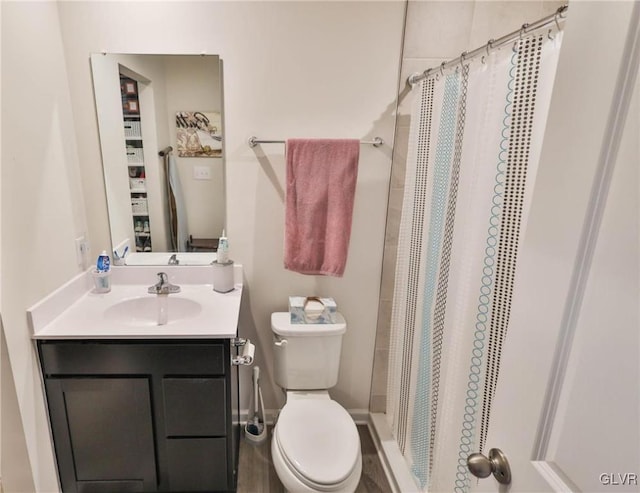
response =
{"points": [[104, 263]]}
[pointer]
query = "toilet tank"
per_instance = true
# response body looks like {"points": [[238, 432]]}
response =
{"points": [[306, 356]]}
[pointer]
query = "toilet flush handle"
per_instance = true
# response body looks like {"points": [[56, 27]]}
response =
{"points": [[281, 342]]}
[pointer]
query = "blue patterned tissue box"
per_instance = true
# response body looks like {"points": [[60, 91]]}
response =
{"points": [[312, 310]]}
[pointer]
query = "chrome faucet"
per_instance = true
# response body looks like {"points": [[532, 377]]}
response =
{"points": [[163, 286], [173, 260]]}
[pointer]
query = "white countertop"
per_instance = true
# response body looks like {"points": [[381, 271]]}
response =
{"points": [[75, 311]]}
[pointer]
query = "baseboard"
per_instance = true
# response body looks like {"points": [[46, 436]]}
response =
{"points": [[360, 416], [270, 415]]}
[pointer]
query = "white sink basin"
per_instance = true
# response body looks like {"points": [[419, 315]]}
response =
{"points": [[143, 311]]}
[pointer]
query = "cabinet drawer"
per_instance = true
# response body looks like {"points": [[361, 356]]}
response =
{"points": [[194, 407], [118, 358], [198, 464]]}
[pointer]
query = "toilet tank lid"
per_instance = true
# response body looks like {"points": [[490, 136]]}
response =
{"points": [[281, 325]]}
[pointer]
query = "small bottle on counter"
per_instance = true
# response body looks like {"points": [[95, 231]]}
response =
{"points": [[223, 249], [104, 262], [101, 274]]}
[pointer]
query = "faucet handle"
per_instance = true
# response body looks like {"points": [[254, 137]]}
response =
{"points": [[163, 286]]}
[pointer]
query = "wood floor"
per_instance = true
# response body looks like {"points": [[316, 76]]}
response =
{"points": [[257, 475]]}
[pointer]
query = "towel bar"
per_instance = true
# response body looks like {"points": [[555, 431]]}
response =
{"points": [[254, 141]]}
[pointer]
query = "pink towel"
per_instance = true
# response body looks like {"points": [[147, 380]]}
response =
{"points": [[321, 184]]}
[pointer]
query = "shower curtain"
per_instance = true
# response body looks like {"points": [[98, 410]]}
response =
{"points": [[475, 138]]}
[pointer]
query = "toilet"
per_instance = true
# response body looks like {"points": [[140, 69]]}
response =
{"points": [[315, 445]]}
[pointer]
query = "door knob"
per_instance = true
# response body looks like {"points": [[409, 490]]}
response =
{"points": [[497, 463]]}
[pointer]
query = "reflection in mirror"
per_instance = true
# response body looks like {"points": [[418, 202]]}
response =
{"points": [[160, 120]]}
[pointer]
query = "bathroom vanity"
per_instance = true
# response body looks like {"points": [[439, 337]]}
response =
{"points": [[137, 407], [142, 415]]}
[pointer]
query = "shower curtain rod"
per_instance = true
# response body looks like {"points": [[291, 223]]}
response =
{"points": [[165, 151], [254, 141], [558, 16]]}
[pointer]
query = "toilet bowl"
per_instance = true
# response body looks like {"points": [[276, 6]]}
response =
{"points": [[315, 445]]}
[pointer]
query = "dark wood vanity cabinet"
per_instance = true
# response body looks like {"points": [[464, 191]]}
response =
{"points": [[142, 416]]}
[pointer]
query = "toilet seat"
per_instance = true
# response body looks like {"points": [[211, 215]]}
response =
{"points": [[319, 442]]}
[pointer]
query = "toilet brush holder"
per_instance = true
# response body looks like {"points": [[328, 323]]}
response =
{"points": [[249, 429], [256, 429]]}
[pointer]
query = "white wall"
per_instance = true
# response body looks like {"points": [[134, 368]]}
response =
{"points": [[3, 360], [42, 213], [15, 458]]}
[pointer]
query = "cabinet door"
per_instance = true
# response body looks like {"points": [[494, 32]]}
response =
{"points": [[103, 434]]}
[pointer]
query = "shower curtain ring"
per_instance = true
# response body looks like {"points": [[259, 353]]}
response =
{"points": [[524, 29], [489, 46], [462, 57], [442, 68], [555, 17]]}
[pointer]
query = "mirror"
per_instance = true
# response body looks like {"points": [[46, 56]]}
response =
{"points": [[160, 119]]}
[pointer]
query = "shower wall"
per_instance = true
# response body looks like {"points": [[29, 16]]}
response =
{"points": [[434, 32]]}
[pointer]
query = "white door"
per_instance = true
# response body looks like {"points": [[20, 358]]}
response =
{"points": [[567, 408]]}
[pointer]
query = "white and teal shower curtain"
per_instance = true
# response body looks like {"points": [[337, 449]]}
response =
{"points": [[476, 135]]}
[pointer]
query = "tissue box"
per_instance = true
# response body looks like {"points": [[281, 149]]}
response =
{"points": [[312, 310]]}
